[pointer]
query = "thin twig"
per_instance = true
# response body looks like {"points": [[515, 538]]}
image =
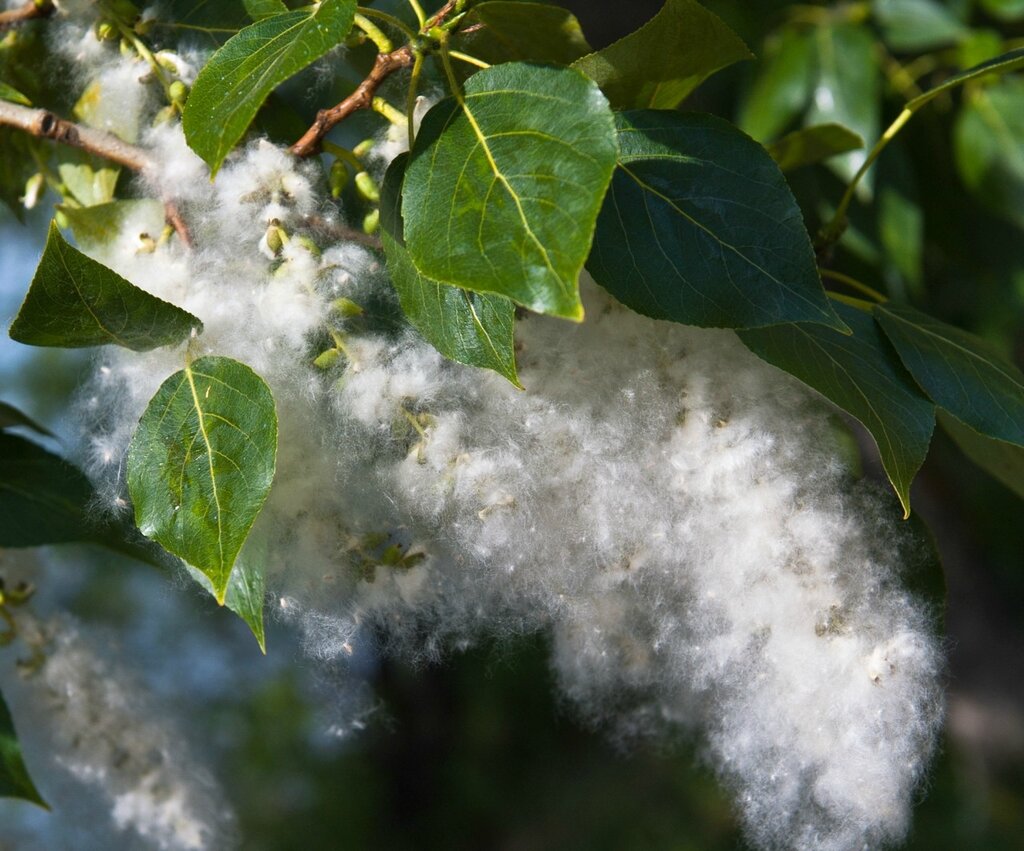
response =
{"points": [[362, 98], [44, 124], [26, 12], [342, 232]]}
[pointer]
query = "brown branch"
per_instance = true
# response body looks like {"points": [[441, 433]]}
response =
{"points": [[342, 232], [44, 124], [362, 98], [26, 12]]}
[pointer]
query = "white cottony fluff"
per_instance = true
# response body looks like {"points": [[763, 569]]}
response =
{"points": [[668, 509], [103, 733]]}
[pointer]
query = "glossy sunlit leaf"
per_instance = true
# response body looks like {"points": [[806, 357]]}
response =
{"points": [[201, 463], [246, 594], [989, 138], [11, 417], [43, 498], [89, 186], [782, 87], [918, 25], [813, 145], [504, 185], [657, 66], [961, 372], [527, 32], [74, 301], [861, 375], [15, 781], [232, 86], [468, 327], [700, 227], [1004, 461], [847, 88]]}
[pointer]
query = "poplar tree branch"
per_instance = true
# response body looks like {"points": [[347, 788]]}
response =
{"points": [[362, 98], [26, 12], [44, 124]]}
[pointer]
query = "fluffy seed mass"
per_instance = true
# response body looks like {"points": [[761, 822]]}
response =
{"points": [[671, 512]]}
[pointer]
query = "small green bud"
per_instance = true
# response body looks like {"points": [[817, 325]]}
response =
{"points": [[366, 186], [168, 113], [178, 92], [127, 49], [371, 221], [106, 31], [338, 178], [363, 148], [327, 359], [34, 188], [346, 307]]}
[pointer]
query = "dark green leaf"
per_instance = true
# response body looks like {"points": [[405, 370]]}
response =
{"points": [[43, 498], [201, 463], [862, 375], [527, 32], [962, 373], [700, 227], [11, 417], [782, 88], [1002, 460], [1002, 64], [813, 145], [657, 66], [74, 301], [471, 328], [96, 227], [900, 220], [847, 88], [12, 94], [246, 594], [1008, 10], [15, 781], [232, 86], [918, 25], [16, 167], [259, 9], [503, 187], [989, 138]]}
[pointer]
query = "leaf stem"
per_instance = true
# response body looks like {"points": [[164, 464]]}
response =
{"points": [[417, 10], [391, 20], [374, 33], [391, 113], [465, 57], [410, 97], [854, 284], [343, 153], [858, 303]]}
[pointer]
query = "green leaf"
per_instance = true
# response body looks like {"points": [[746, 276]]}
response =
{"points": [[900, 220], [1001, 64], [524, 32], [246, 594], [15, 781], [700, 227], [782, 87], [232, 86], [989, 139], [96, 227], [260, 9], [43, 498], [1002, 460], [11, 417], [847, 88], [657, 66], [74, 301], [861, 375], [471, 328], [16, 167], [1007, 10], [813, 145], [962, 373], [917, 25], [89, 186], [201, 463], [504, 185], [12, 94]]}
